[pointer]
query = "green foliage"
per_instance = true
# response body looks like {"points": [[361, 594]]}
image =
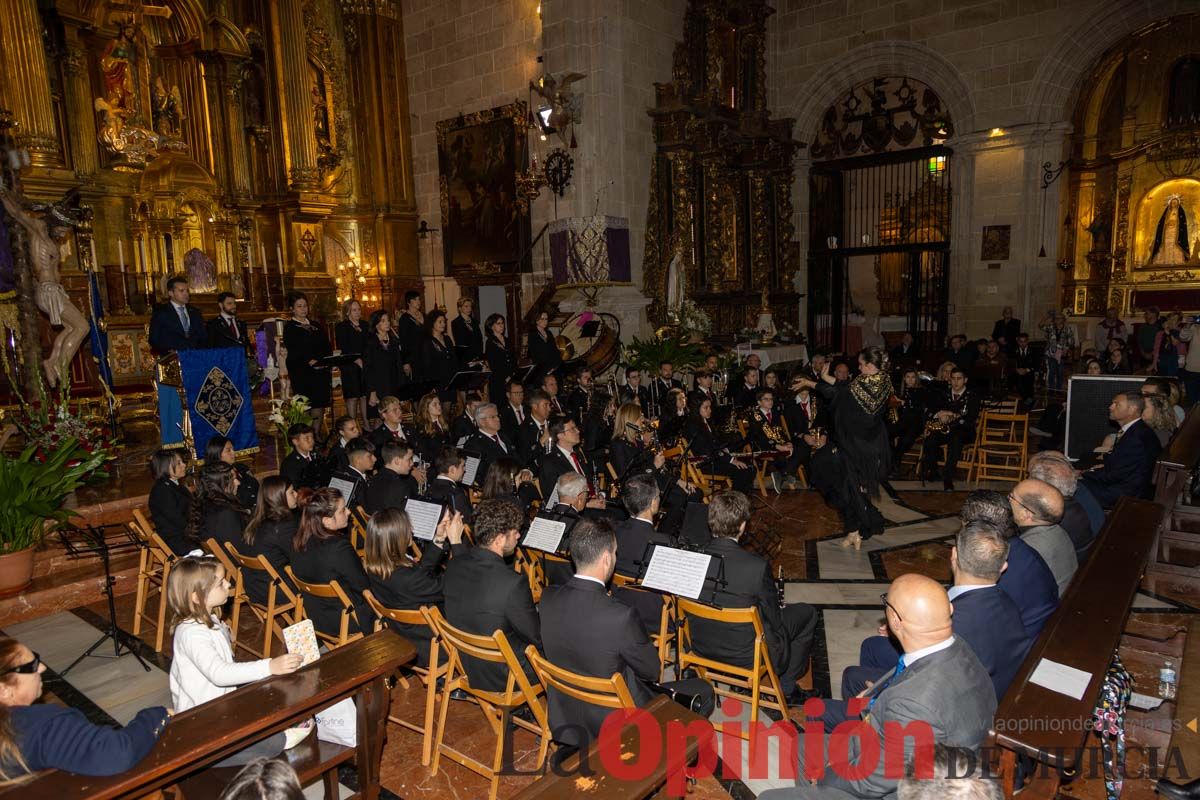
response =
{"points": [[647, 354], [33, 492]]}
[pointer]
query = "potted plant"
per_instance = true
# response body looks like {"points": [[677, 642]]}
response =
{"points": [[34, 486], [647, 354], [286, 413]]}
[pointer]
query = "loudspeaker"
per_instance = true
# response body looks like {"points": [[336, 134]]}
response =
{"points": [[1088, 398]]}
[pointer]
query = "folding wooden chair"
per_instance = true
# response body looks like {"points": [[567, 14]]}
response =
{"points": [[497, 707], [801, 475], [758, 678], [1003, 449], [611, 692], [527, 561], [966, 459], [664, 637], [154, 569], [281, 601], [358, 532], [429, 675], [760, 465], [328, 591]]}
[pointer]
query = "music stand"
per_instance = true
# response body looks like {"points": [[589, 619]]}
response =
{"points": [[338, 360], [525, 375], [414, 391], [90, 541], [468, 381], [715, 576]]}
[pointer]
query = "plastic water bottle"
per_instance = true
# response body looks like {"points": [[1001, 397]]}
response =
{"points": [[1166, 681]]}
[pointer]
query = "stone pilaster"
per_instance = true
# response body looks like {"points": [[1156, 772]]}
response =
{"points": [[291, 80]]}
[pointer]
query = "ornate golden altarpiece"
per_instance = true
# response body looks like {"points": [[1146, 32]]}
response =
{"points": [[1132, 227], [720, 204]]}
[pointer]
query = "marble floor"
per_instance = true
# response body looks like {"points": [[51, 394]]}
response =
{"points": [[843, 584]]}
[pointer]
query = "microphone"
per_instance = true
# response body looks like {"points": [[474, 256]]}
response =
{"points": [[635, 428]]}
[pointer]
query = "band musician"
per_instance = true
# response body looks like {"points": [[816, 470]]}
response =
{"points": [[765, 432], [951, 422]]}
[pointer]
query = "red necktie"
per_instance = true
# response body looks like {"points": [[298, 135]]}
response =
{"points": [[520, 416], [233, 327], [496, 439], [579, 469]]}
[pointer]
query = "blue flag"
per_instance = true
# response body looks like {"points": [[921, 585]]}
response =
{"points": [[98, 337], [217, 387]]}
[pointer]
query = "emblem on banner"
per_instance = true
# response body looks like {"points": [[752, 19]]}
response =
{"points": [[218, 401]]}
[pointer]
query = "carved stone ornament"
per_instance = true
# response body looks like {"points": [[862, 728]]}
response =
{"points": [[879, 115]]}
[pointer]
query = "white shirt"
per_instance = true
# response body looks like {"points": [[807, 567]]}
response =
{"points": [[589, 578], [916, 655], [959, 591], [203, 668], [570, 454], [1126, 426]]}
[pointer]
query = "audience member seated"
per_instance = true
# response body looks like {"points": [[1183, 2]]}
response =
{"points": [[216, 513], [1052, 467], [1028, 581], [170, 504], [322, 553], [959, 354], [748, 584], [588, 632], [303, 467], [449, 468], [1128, 469], [507, 480], [1037, 508], [396, 481], [36, 736], [264, 779], [952, 419], [360, 458], [937, 683], [1163, 387], [202, 663], [1159, 416], [270, 532], [220, 448], [399, 583], [984, 617], [957, 775], [907, 353], [483, 594], [990, 370]]}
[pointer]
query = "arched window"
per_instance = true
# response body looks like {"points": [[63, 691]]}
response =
{"points": [[1183, 97]]}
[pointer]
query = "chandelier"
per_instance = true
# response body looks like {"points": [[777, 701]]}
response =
{"points": [[351, 281]]}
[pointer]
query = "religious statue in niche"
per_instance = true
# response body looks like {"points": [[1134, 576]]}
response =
{"points": [[116, 67], [566, 107], [168, 109], [676, 281], [200, 270], [1171, 236], [46, 236]]}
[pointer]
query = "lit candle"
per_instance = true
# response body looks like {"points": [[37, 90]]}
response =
{"points": [[121, 254], [95, 261], [262, 253], [145, 263], [279, 258]]}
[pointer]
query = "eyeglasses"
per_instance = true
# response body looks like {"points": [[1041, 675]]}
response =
{"points": [[1012, 496], [28, 668], [888, 604]]}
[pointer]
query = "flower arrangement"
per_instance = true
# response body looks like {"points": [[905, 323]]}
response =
{"points": [[49, 424], [35, 486], [789, 333], [693, 319], [286, 413]]}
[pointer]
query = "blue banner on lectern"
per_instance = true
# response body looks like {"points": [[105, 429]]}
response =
{"points": [[217, 387]]}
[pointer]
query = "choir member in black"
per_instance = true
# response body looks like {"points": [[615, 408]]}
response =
{"points": [[630, 454], [802, 412], [550, 387], [743, 393], [382, 367], [449, 467], [303, 467], [215, 512], [496, 352], [345, 428], [269, 533], [579, 399], [507, 480], [489, 442], [432, 431], [350, 335], [661, 386], [704, 442], [306, 342], [360, 454], [170, 503], [533, 438], [400, 584], [512, 412], [392, 430], [703, 389], [859, 406], [465, 330], [220, 449], [463, 426], [543, 350], [323, 553], [633, 391], [910, 415], [766, 433], [397, 479], [410, 329], [438, 362], [1023, 368], [673, 417], [951, 422]]}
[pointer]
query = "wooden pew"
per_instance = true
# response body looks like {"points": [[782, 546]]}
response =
{"points": [[199, 737], [1084, 633], [1177, 552], [600, 784]]}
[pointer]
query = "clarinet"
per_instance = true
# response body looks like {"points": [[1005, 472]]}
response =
{"points": [[781, 588]]}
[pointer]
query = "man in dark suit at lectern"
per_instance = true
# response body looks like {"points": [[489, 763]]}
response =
{"points": [[176, 325], [226, 330]]}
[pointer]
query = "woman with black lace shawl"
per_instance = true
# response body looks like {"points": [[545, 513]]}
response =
{"points": [[858, 462]]}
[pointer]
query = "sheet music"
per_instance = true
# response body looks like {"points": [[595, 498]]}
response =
{"points": [[553, 500], [676, 571], [472, 469], [344, 487], [424, 517], [545, 534]]}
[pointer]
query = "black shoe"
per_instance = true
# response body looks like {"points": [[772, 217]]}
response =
{"points": [[524, 713], [798, 696], [948, 485], [1181, 791]]}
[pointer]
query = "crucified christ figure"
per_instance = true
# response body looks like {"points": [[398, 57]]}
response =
{"points": [[45, 237]]}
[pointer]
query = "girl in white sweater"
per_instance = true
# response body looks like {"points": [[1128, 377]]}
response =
{"points": [[202, 667]]}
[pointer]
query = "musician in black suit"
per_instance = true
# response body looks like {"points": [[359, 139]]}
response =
{"points": [[220, 449], [497, 354], [566, 456], [465, 330], [360, 455], [225, 329], [579, 400], [304, 467], [484, 594], [392, 430], [633, 391], [742, 393], [463, 426], [641, 498], [448, 468], [176, 325], [703, 390], [410, 328], [344, 429], [170, 503], [748, 583], [396, 480], [512, 410], [765, 433], [549, 385], [1128, 468], [543, 350], [662, 385], [705, 443], [489, 442], [910, 415], [952, 423], [322, 554], [533, 437]]}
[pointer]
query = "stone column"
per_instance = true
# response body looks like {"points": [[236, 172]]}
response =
{"points": [[82, 129], [25, 88], [291, 81], [235, 131]]}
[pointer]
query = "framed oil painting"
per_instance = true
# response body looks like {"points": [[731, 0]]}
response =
{"points": [[996, 241], [484, 227]]}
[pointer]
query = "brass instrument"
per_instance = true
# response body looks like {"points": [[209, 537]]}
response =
{"points": [[774, 433], [895, 402]]}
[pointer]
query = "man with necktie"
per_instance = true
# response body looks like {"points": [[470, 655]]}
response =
{"points": [[174, 325]]}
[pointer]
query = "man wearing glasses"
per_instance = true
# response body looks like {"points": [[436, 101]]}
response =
{"points": [[1037, 509]]}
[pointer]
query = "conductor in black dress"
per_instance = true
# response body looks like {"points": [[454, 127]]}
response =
{"points": [[465, 330], [350, 335], [499, 357], [438, 362], [543, 350], [306, 343]]}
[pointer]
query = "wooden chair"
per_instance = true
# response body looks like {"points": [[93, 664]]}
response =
{"points": [[665, 636], [358, 532], [760, 465], [154, 569], [527, 561], [429, 675], [966, 460], [801, 475], [497, 707], [611, 692], [328, 591], [281, 601], [758, 678], [1002, 452]]}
